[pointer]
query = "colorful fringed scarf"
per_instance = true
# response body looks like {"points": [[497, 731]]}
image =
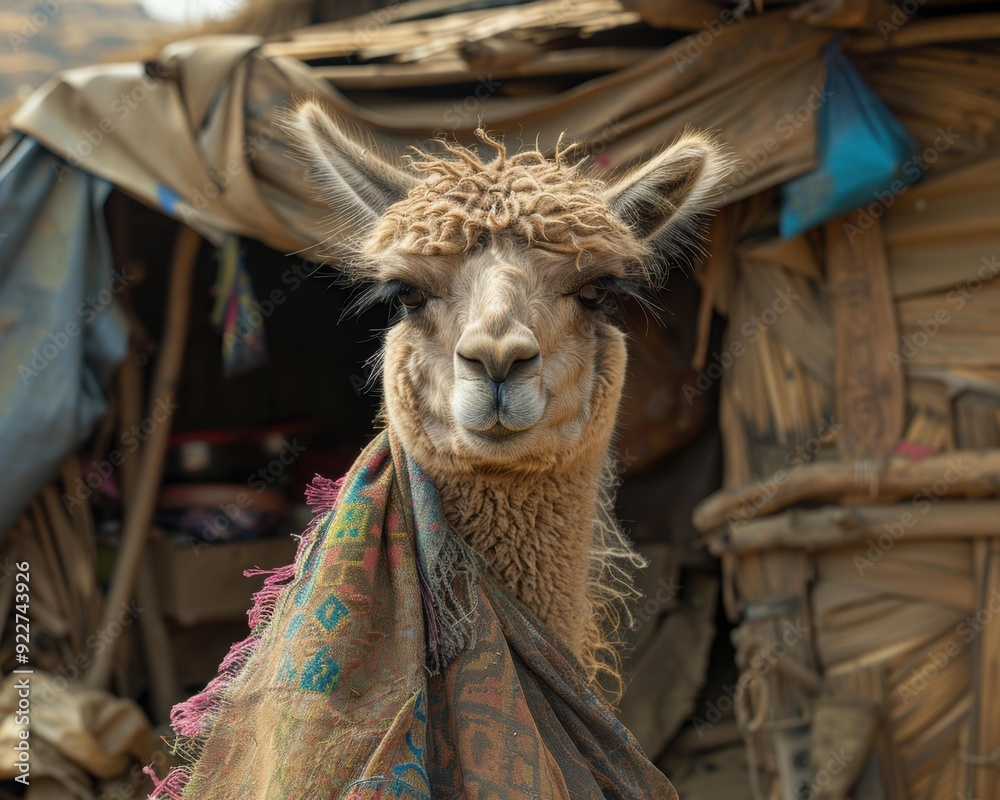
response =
{"points": [[388, 663]]}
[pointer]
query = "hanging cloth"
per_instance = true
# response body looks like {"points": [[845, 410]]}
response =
{"points": [[236, 314], [865, 154]]}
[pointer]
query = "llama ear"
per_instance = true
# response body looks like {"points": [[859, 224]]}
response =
{"points": [[353, 177], [664, 199]]}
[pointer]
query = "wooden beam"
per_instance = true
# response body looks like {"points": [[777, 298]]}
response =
{"points": [[139, 515], [954, 473], [837, 526]]}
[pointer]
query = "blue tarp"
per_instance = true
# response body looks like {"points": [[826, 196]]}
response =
{"points": [[863, 151], [62, 332]]}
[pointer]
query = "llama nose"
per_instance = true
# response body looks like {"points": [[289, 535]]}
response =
{"points": [[496, 359]]}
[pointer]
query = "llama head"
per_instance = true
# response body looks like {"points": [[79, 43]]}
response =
{"points": [[506, 355]]}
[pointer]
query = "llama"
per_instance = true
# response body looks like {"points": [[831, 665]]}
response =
{"points": [[504, 375], [445, 624]]}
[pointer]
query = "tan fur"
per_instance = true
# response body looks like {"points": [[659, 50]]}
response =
{"points": [[527, 505], [550, 204], [535, 535], [501, 249]]}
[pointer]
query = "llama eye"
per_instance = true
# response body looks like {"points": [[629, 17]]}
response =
{"points": [[411, 298], [593, 294]]}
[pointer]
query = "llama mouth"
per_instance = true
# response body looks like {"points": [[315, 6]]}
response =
{"points": [[498, 433]]}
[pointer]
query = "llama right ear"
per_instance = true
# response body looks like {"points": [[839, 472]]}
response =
{"points": [[354, 179], [664, 199]]}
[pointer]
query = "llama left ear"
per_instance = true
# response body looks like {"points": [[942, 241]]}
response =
{"points": [[351, 174], [665, 197]]}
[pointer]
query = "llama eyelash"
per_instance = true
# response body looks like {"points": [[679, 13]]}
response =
{"points": [[618, 290], [625, 287], [388, 290], [379, 293]]}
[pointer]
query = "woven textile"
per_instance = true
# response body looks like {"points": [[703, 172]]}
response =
{"points": [[388, 663]]}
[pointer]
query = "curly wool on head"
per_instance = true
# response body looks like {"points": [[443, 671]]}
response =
{"points": [[549, 203]]}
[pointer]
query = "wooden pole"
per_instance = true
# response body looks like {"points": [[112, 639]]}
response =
{"points": [[68, 607], [963, 472], [139, 514], [982, 756], [164, 686], [836, 526]]}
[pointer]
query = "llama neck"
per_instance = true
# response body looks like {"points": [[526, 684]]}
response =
{"points": [[535, 535]]}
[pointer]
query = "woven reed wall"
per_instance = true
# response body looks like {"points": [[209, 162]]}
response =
{"points": [[860, 375]]}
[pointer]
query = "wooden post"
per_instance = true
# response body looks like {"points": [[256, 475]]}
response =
{"points": [[982, 756], [871, 399], [830, 527], [139, 514], [155, 641]]}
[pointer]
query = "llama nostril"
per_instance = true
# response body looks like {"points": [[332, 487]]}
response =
{"points": [[496, 366], [499, 370], [523, 362]]}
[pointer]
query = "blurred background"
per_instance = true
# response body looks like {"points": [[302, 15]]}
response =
{"points": [[810, 440]]}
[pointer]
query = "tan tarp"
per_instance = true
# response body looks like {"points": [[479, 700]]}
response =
{"points": [[195, 134], [76, 735], [161, 136]]}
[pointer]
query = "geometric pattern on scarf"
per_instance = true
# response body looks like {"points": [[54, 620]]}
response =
{"points": [[387, 663]]}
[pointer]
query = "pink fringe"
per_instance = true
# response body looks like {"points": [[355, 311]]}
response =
{"points": [[322, 494], [171, 787], [266, 599], [192, 718], [188, 718]]}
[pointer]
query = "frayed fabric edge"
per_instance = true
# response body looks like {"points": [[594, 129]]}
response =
{"points": [[192, 719]]}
